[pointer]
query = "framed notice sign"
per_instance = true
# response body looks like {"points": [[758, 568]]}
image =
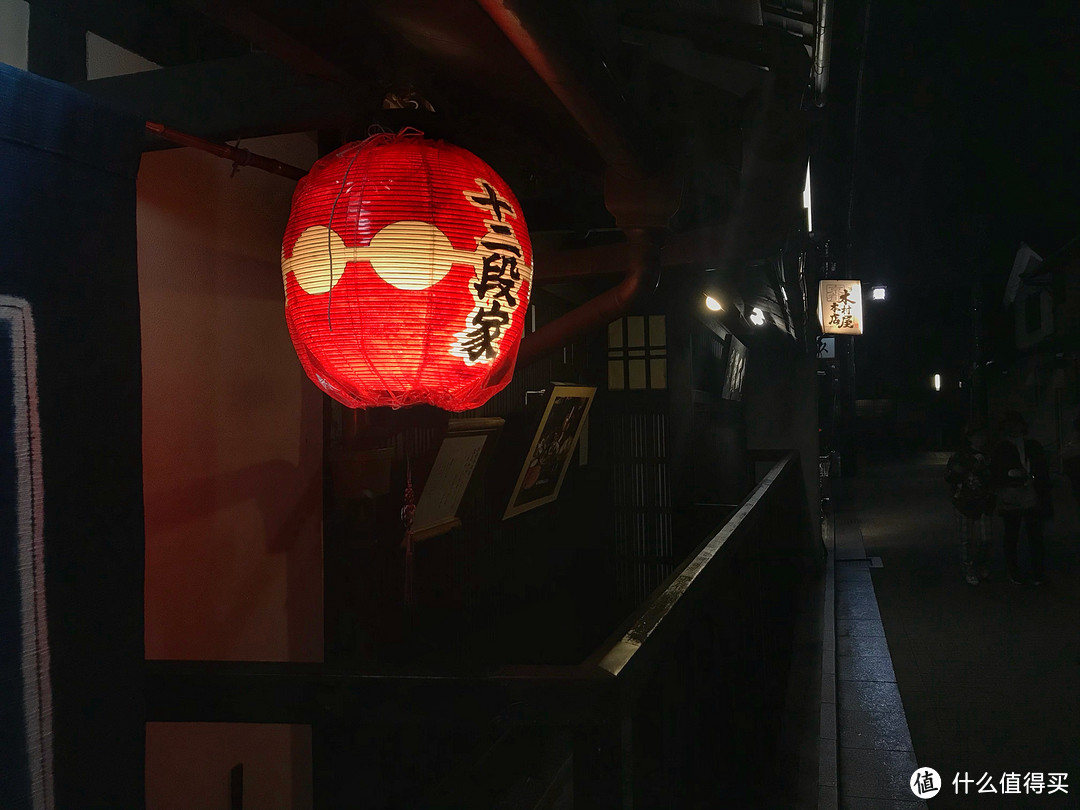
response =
{"points": [[552, 448], [736, 369], [840, 309]]}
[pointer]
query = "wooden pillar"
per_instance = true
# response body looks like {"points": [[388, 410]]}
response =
{"points": [[67, 214]]}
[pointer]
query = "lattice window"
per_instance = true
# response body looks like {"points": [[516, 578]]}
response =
{"points": [[637, 353]]}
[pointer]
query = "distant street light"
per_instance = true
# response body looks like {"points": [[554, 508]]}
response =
{"points": [[713, 304], [937, 382]]}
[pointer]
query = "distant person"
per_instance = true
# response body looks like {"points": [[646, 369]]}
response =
{"points": [[1022, 488], [968, 475]]}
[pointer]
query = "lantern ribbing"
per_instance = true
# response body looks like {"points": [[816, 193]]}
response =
{"points": [[407, 269]]}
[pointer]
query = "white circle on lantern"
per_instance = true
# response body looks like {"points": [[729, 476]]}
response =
{"points": [[413, 255], [409, 255], [318, 259]]}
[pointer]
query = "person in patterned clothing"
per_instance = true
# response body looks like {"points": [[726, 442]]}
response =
{"points": [[968, 475]]}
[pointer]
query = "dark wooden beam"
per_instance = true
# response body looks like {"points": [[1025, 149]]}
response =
{"points": [[251, 692], [161, 32], [245, 22], [247, 96], [708, 33], [55, 47]]}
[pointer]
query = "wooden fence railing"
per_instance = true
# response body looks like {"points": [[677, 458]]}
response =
{"points": [[682, 704]]}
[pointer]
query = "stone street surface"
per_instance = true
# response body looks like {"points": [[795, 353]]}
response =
{"points": [[989, 676]]}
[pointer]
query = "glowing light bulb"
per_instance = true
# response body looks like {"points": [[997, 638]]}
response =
{"points": [[757, 317], [713, 304]]}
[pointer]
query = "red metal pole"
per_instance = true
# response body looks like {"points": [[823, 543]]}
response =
{"points": [[642, 267]]}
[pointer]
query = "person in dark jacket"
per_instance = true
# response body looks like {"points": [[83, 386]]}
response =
{"points": [[969, 479], [1021, 479]]}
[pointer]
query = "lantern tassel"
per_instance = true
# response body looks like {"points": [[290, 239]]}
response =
{"points": [[408, 511]]}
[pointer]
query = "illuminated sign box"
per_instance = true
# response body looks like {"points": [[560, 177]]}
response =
{"points": [[840, 307]]}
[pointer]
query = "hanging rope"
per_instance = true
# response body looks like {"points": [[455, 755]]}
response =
{"points": [[329, 239]]}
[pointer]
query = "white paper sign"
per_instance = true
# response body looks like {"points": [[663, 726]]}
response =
{"points": [[449, 477]]}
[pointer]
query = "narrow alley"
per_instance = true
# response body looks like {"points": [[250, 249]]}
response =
{"points": [[988, 675]]}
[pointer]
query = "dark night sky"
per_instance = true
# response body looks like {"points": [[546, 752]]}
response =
{"points": [[969, 143]]}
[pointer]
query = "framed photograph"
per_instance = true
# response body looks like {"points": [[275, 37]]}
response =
{"points": [[467, 444], [552, 448], [736, 369]]}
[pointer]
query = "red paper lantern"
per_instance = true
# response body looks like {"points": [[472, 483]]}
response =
{"points": [[407, 269]]}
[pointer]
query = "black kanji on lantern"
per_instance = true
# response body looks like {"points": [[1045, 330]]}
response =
{"points": [[489, 322], [491, 200], [506, 247], [497, 280], [499, 273]]}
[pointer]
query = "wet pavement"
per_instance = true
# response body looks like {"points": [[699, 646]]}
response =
{"points": [[988, 676]]}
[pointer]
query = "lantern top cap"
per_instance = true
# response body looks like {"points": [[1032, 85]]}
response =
{"points": [[385, 137], [407, 138]]}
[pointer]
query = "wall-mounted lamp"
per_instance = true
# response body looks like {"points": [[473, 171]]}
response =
{"points": [[878, 293], [937, 382], [713, 304], [757, 317]]}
